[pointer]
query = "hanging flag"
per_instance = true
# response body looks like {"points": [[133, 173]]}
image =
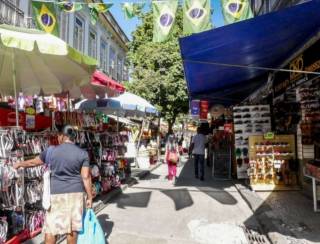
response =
{"points": [[69, 6], [164, 13], [131, 10], [196, 16], [96, 8], [236, 10], [45, 15], [100, 7]]}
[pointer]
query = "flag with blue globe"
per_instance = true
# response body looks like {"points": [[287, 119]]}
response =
{"points": [[45, 15], [196, 16], [236, 10], [164, 14]]}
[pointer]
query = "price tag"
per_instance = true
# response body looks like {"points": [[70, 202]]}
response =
{"points": [[268, 136]]}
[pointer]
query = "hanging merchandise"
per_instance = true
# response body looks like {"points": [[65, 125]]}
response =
{"points": [[196, 16], [236, 10], [45, 15], [131, 10], [164, 13], [248, 120], [69, 7]]}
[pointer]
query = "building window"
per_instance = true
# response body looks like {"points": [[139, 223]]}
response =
{"points": [[125, 72], [64, 25], [78, 34], [92, 50], [112, 63], [103, 56], [119, 68]]}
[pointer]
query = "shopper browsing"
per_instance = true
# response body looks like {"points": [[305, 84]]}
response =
{"points": [[70, 178], [197, 147], [172, 157]]}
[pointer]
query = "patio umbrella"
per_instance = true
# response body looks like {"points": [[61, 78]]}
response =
{"points": [[32, 61], [106, 105], [133, 102]]}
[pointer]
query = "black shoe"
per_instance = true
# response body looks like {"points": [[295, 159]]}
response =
{"points": [[202, 178]]}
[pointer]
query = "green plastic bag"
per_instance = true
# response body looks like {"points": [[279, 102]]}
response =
{"points": [[92, 232]]}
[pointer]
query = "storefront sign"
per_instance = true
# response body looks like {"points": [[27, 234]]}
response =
{"points": [[195, 108], [204, 109], [268, 136], [309, 60], [228, 128], [30, 121], [38, 122]]}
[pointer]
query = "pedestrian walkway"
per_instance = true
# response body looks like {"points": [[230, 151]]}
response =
{"points": [[156, 211]]}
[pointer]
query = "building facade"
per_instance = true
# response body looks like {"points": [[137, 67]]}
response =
{"points": [[104, 41]]}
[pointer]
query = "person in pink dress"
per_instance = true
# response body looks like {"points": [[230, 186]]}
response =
{"points": [[172, 157]]}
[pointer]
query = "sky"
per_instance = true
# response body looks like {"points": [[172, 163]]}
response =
{"points": [[129, 26]]}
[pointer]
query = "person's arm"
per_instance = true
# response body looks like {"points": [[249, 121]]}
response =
{"points": [[28, 163], [86, 177]]}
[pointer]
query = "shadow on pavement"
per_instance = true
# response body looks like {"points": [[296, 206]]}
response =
{"points": [[150, 176], [181, 197], [216, 189], [106, 225], [287, 216], [138, 199]]}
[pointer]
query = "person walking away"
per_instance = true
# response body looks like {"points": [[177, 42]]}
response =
{"points": [[70, 178], [172, 158], [197, 147]]}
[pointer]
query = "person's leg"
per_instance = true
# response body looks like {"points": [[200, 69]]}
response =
{"points": [[49, 239], [196, 169], [174, 170], [72, 238], [201, 162], [169, 171]]}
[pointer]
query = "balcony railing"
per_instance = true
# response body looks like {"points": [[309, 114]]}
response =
{"points": [[11, 14]]}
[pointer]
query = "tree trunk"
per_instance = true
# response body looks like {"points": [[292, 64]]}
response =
{"points": [[170, 125]]}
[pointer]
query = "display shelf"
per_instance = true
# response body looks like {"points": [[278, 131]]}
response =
{"points": [[272, 163]]}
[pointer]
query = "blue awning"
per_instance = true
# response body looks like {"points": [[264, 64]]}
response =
{"points": [[265, 41]]}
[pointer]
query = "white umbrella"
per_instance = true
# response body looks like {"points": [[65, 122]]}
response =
{"points": [[132, 102], [33, 61]]}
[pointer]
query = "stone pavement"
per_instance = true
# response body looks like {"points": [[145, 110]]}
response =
{"points": [[157, 211], [287, 217]]}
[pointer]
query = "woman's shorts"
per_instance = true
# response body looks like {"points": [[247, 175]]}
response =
{"points": [[65, 214]]}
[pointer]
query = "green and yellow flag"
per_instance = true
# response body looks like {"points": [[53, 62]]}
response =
{"points": [[96, 8], [196, 16], [164, 14], [131, 10], [45, 15], [236, 10], [69, 6]]}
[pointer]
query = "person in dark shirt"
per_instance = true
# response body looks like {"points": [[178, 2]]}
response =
{"points": [[70, 178]]}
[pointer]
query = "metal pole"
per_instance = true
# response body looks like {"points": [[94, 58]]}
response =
{"points": [[117, 122], [15, 87]]}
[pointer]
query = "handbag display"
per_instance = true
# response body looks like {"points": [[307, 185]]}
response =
{"points": [[46, 195]]}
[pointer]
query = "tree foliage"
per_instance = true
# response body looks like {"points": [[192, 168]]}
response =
{"points": [[157, 72]]}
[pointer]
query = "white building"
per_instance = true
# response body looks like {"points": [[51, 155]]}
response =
{"points": [[104, 41]]}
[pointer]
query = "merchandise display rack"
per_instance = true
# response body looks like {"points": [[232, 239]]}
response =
{"points": [[272, 162], [248, 121]]}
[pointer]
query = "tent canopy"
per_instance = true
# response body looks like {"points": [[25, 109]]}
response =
{"points": [[211, 59]]}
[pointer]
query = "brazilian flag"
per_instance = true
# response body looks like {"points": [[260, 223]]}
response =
{"points": [[70, 7], [236, 10], [96, 8], [45, 15]]}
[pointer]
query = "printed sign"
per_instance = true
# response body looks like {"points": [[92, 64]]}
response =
{"points": [[195, 107]]}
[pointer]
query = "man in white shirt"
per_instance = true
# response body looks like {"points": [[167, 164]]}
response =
{"points": [[198, 146]]}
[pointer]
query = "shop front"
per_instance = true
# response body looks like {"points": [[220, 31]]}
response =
{"points": [[229, 64], [297, 110]]}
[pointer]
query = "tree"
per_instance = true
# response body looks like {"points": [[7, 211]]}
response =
{"points": [[157, 73]]}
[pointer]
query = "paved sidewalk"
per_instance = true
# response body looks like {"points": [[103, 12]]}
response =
{"points": [[156, 211], [287, 217]]}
